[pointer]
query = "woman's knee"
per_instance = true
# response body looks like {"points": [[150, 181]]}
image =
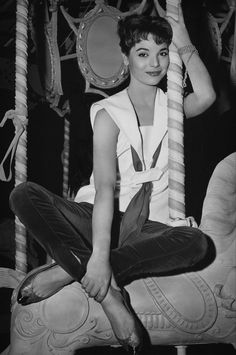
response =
{"points": [[199, 244], [195, 242], [20, 193]]}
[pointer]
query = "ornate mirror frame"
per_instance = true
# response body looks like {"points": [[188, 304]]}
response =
{"points": [[88, 55], [104, 18]]}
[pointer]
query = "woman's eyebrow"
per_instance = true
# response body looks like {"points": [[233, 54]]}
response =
{"points": [[142, 49]]}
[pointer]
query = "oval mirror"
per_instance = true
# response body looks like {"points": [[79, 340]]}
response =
{"points": [[98, 51]]}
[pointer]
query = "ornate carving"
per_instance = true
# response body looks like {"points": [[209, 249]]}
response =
{"points": [[29, 325], [153, 321], [197, 289], [227, 294]]}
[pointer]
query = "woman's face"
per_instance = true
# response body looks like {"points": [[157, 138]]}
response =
{"points": [[148, 62]]}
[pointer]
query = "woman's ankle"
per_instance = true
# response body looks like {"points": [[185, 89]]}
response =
{"points": [[114, 283]]}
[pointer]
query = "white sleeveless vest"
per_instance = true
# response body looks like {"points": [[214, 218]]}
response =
{"points": [[144, 140]]}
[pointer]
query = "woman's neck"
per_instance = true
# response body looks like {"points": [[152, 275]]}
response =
{"points": [[143, 95], [143, 101]]}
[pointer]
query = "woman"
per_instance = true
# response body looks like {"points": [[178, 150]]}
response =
{"points": [[129, 186]]}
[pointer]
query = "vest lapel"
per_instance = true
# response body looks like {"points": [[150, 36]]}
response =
{"points": [[160, 120], [129, 124], [122, 112], [159, 124]]}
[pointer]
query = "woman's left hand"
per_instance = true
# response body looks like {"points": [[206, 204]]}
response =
{"points": [[97, 279]]}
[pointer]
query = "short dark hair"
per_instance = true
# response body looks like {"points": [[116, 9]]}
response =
{"points": [[134, 28]]}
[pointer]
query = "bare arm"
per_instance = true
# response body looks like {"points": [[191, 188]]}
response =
{"points": [[203, 94], [104, 155], [97, 278]]}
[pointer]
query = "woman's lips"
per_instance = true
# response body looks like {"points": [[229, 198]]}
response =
{"points": [[154, 73]]}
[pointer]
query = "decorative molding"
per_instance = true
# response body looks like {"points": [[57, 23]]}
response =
{"points": [[194, 286]]}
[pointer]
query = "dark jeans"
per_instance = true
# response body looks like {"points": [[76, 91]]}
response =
{"points": [[64, 230]]}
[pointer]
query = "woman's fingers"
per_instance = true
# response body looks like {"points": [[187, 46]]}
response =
{"points": [[93, 289], [84, 282], [160, 10], [86, 285], [101, 295], [180, 17]]}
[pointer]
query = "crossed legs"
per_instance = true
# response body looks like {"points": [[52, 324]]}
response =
{"points": [[64, 230]]}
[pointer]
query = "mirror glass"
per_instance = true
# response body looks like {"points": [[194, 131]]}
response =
{"points": [[103, 51], [98, 51]]}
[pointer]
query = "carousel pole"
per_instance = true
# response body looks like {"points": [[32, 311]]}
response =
{"points": [[175, 132], [66, 153], [233, 60], [175, 125], [22, 112]]}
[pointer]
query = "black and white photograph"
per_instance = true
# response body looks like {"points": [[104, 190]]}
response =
{"points": [[117, 177]]}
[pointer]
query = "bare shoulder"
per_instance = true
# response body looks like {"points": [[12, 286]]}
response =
{"points": [[104, 148], [104, 122]]}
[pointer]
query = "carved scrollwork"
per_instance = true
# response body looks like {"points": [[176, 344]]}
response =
{"points": [[54, 311], [226, 294], [28, 324]]}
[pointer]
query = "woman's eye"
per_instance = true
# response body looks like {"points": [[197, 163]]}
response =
{"points": [[143, 55], [163, 54]]}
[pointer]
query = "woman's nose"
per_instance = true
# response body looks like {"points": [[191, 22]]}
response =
{"points": [[154, 61]]}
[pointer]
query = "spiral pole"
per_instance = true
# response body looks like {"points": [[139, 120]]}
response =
{"points": [[21, 109], [66, 152], [175, 125], [233, 60]]}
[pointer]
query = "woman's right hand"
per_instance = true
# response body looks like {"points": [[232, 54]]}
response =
{"points": [[97, 279], [180, 34]]}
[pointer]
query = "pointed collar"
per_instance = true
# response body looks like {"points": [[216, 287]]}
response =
{"points": [[159, 123], [122, 111]]}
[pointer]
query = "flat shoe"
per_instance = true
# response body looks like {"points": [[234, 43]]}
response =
{"points": [[134, 341], [25, 294]]}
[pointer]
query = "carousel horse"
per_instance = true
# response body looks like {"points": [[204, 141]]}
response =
{"points": [[198, 307]]}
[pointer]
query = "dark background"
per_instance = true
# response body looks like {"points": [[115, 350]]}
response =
{"points": [[208, 138]]}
